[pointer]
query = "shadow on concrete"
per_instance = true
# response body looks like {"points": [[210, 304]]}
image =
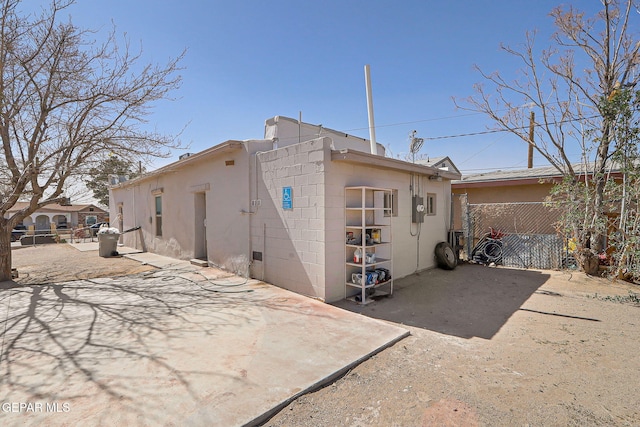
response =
{"points": [[171, 347], [57, 335], [470, 301]]}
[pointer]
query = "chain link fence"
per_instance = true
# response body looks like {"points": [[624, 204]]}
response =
{"points": [[518, 234]]}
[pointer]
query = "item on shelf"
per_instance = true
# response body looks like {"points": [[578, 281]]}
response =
{"points": [[368, 240], [375, 235], [357, 256], [370, 258], [384, 275], [372, 278], [350, 237], [356, 240]]}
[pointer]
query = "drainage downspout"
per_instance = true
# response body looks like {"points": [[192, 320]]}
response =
{"points": [[412, 187], [419, 230], [257, 207], [251, 212]]}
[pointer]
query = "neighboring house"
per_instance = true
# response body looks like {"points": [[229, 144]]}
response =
{"points": [[443, 163], [512, 202], [274, 209], [522, 185], [63, 216]]}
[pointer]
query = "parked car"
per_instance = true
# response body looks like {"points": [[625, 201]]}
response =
{"points": [[18, 232], [95, 227]]}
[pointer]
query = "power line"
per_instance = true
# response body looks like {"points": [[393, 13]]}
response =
{"points": [[387, 125], [506, 130], [416, 121], [468, 134], [461, 135]]}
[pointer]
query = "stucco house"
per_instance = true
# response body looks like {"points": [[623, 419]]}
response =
{"points": [[63, 216], [443, 162], [512, 201], [504, 186], [531, 185], [519, 185], [278, 209]]}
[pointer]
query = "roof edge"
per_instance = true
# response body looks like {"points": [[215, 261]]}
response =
{"points": [[227, 146], [354, 156]]}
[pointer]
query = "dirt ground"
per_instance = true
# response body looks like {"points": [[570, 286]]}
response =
{"points": [[488, 347], [61, 262], [493, 347]]}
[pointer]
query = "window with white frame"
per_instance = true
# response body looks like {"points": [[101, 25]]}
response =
{"points": [[391, 203], [158, 216]]}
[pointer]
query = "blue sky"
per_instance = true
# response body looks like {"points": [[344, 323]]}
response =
{"points": [[250, 60]]}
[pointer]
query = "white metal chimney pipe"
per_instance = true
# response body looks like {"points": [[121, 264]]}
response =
{"points": [[372, 126]]}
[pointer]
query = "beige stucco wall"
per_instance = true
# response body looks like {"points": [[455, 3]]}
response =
{"points": [[505, 192], [536, 192], [226, 189], [411, 253], [301, 249]]}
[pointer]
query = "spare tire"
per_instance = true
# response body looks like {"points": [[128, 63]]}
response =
{"points": [[445, 256]]}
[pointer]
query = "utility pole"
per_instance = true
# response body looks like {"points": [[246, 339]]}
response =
{"points": [[532, 119]]}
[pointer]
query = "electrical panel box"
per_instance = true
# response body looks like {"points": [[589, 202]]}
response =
{"points": [[417, 209]]}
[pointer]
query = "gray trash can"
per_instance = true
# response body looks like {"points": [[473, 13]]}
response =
{"points": [[107, 244]]}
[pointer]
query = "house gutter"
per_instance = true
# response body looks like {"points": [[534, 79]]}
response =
{"points": [[504, 182], [366, 159]]}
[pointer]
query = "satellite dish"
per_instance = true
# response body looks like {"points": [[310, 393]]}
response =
{"points": [[415, 145]]}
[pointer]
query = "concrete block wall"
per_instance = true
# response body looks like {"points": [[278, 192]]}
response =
{"points": [[288, 131], [291, 241]]}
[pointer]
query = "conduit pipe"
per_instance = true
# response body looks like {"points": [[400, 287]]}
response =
{"points": [[372, 128]]}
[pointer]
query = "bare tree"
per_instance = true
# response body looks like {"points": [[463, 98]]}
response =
{"points": [[66, 102], [567, 86]]}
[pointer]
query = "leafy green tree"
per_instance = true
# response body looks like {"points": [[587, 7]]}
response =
{"points": [[624, 193], [97, 179], [569, 86], [573, 199]]}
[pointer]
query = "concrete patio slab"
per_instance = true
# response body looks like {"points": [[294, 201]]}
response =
{"points": [[94, 246], [85, 246], [177, 346], [158, 261]]}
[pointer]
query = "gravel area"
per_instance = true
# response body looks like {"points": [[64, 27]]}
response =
{"points": [[61, 262]]}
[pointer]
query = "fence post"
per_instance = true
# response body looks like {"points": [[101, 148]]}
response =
{"points": [[466, 224]]}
